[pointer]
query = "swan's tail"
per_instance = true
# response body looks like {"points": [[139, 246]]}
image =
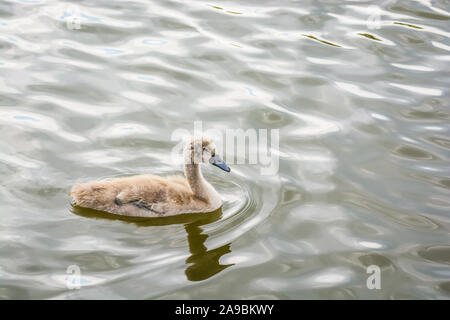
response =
{"points": [[91, 195]]}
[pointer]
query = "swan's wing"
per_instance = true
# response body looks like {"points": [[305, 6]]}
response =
{"points": [[138, 203], [154, 193], [143, 190], [146, 206]]}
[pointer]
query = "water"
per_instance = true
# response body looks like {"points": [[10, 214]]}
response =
{"points": [[358, 89]]}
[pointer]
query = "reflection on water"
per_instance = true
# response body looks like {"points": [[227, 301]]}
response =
{"points": [[202, 263]]}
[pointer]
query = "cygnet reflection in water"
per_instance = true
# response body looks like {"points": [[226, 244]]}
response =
{"points": [[203, 263]]}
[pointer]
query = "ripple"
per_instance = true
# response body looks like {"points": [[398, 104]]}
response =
{"points": [[33, 121], [422, 90], [412, 67], [322, 41], [369, 36], [440, 141], [439, 254], [408, 25], [411, 152], [354, 89]]}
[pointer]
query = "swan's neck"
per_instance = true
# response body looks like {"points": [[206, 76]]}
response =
{"points": [[199, 186]]}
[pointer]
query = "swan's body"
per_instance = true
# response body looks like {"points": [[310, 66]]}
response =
{"points": [[153, 196]]}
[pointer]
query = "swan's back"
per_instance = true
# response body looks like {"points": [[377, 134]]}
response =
{"points": [[142, 195]]}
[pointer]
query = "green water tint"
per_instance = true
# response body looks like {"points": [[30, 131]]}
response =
{"points": [[322, 41], [216, 7], [229, 11], [408, 25], [367, 35]]}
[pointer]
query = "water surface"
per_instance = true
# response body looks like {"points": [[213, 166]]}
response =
{"points": [[358, 89]]}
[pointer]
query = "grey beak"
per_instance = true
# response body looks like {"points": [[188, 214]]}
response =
{"points": [[218, 162]]}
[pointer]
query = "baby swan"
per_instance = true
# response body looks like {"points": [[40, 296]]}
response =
{"points": [[153, 196]]}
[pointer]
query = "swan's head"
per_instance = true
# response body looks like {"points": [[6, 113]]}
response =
{"points": [[200, 150]]}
